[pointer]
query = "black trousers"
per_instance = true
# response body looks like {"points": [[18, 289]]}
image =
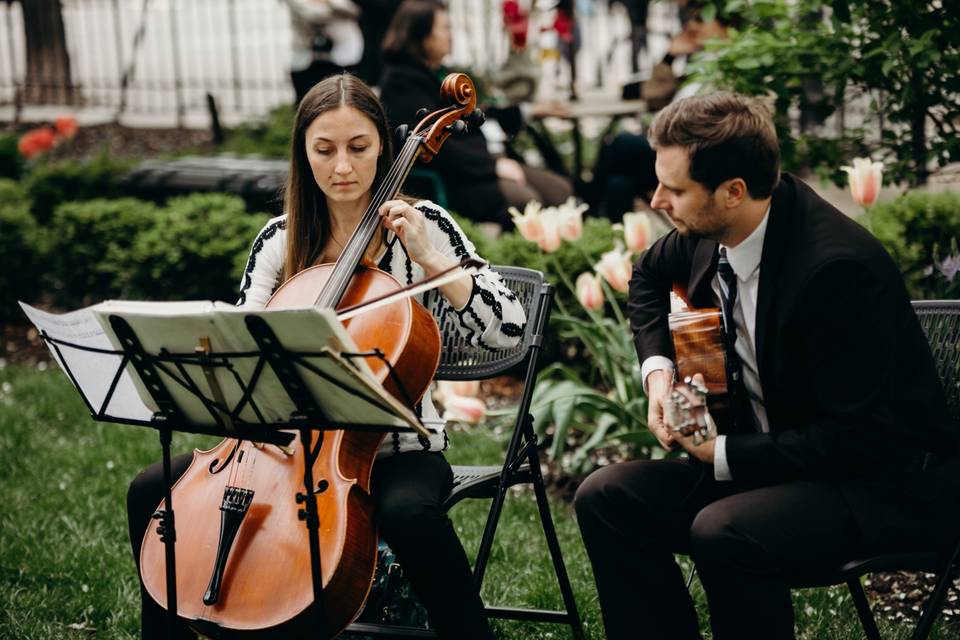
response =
{"points": [[746, 542], [410, 489]]}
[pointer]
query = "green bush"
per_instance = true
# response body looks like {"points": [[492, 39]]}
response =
{"points": [[270, 138], [197, 250], [920, 230], [11, 162], [21, 250], [50, 184], [91, 248]]}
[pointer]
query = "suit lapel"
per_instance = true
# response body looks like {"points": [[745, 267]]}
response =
{"points": [[774, 246], [702, 269]]}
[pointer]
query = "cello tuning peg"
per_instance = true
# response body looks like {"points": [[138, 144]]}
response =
{"points": [[401, 134], [459, 127], [422, 113], [476, 118]]}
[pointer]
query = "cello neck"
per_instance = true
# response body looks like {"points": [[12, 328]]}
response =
{"points": [[356, 247]]}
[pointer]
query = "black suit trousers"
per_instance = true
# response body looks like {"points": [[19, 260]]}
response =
{"points": [[747, 543]]}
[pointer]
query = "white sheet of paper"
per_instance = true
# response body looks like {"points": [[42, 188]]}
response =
{"points": [[92, 371]]}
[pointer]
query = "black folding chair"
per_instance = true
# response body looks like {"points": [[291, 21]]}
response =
{"points": [[460, 360], [941, 322]]}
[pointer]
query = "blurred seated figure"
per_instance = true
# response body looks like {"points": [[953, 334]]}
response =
{"points": [[479, 185], [624, 172], [325, 39]]}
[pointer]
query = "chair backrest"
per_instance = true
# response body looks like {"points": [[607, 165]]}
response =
{"points": [[940, 320], [460, 360]]}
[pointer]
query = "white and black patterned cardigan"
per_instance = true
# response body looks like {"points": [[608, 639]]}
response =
{"points": [[493, 318]]}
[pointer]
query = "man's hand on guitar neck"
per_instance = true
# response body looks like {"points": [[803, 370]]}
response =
{"points": [[703, 450]]}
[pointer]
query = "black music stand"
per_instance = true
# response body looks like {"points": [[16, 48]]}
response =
{"points": [[290, 368]]}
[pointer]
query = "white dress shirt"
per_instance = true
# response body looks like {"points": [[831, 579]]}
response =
{"points": [[745, 261]]}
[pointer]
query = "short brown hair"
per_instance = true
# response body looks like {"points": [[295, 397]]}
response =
{"points": [[726, 135]]}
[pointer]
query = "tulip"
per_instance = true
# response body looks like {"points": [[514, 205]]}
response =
{"points": [[550, 239], [589, 291], [866, 178], [528, 223], [463, 409], [615, 266], [637, 231], [571, 219], [66, 126], [465, 388]]}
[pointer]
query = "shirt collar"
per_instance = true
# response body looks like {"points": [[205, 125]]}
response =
{"points": [[745, 257]]}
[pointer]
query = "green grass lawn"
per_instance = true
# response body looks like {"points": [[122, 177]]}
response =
{"points": [[65, 564]]}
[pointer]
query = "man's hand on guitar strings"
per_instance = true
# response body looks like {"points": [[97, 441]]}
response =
{"points": [[659, 385]]}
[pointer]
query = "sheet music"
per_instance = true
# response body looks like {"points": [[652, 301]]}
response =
{"points": [[91, 370]]}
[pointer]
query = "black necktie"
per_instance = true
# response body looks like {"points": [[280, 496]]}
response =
{"points": [[743, 412]]}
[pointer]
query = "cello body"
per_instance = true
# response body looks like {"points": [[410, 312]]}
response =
{"points": [[267, 588]]}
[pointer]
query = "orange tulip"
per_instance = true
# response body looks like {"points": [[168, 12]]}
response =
{"points": [[866, 178], [589, 291]]}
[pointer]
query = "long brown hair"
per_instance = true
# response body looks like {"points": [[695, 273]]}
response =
{"points": [[308, 220], [411, 25]]}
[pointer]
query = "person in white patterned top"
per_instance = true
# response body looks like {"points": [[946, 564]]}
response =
{"points": [[340, 152]]}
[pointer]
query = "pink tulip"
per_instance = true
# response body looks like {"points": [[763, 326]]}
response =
{"points": [[463, 409], [589, 291], [550, 239], [528, 223], [465, 388], [866, 178], [571, 219], [637, 231], [615, 266]]}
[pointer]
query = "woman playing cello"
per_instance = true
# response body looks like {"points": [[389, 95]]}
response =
{"points": [[340, 153]]}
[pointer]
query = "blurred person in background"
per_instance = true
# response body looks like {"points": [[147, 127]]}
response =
{"points": [[480, 185]]}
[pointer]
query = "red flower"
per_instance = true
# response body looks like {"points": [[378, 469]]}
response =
{"points": [[36, 141], [66, 126], [516, 23]]}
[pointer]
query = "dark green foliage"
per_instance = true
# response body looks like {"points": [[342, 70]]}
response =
{"points": [[904, 56], [920, 230], [197, 249], [270, 138], [11, 162], [48, 185], [21, 250], [91, 248]]}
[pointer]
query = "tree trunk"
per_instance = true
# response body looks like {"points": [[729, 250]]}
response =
{"points": [[48, 80], [918, 130]]}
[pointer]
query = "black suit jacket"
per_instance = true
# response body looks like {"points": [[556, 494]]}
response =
{"points": [[849, 383], [466, 167]]}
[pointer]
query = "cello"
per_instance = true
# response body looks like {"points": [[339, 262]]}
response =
{"points": [[251, 575]]}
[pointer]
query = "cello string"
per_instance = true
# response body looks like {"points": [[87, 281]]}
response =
{"points": [[353, 252], [357, 245]]}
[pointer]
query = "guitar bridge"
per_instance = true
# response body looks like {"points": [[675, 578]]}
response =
{"points": [[236, 502]]}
